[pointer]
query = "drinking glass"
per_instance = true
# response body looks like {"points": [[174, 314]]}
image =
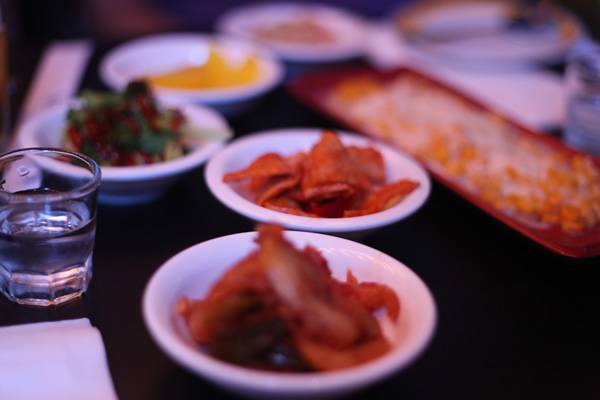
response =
{"points": [[582, 125], [47, 224]]}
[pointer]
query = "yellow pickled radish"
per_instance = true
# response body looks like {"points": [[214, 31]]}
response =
{"points": [[216, 72]]}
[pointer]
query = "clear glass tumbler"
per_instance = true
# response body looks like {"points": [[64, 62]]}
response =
{"points": [[47, 224], [582, 125]]}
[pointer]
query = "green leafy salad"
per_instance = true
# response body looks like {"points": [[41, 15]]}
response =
{"points": [[127, 128]]}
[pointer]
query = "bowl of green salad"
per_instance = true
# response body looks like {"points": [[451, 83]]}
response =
{"points": [[143, 144]]}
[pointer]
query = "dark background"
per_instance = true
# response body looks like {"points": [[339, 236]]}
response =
{"points": [[67, 19], [32, 24], [515, 320]]}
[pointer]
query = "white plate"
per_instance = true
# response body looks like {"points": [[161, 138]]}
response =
{"points": [[135, 184], [504, 48], [240, 153], [347, 30], [192, 272], [162, 53]]}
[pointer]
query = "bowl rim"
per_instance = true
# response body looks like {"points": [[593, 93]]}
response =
{"points": [[25, 138], [215, 169], [311, 383], [113, 79], [85, 189]]}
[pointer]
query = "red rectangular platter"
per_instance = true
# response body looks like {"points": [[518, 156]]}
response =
{"points": [[313, 90]]}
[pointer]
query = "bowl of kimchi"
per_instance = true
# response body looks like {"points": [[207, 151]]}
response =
{"points": [[150, 157], [297, 329], [317, 180]]}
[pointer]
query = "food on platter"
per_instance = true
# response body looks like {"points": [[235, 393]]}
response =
{"points": [[127, 128], [330, 180], [280, 309], [298, 31], [303, 31], [215, 72], [531, 180]]}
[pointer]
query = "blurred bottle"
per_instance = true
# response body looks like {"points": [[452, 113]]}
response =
{"points": [[582, 125], [4, 79]]}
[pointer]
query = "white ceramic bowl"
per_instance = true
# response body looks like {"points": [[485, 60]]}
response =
{"points": [[440, 32], [241, 152], [193, 271], [135, 184], [162, 53], [348, 30]]}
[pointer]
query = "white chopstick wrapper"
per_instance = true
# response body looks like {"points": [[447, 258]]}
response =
{"points": [[61, 360], [57, 76]]}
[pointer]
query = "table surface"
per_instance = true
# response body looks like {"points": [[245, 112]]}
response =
{"points": [[514, 319]]}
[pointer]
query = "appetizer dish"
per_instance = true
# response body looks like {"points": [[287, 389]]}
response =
{"points": [[223, 72], [530, 181], [330, 180], [297, 31], [216, 71], [280, 309], [478, 151], [126, 128], [142, 144], [303, 178], [495, 33], [277, 315]]}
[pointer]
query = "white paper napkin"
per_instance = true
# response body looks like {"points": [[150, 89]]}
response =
{"points": [[54, 360]]}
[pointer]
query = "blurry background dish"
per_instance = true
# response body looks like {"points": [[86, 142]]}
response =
{"points": [[140, 183], [493, 50], [242, 152], [489, 32], [192, 272], [217, 71], [223, 72], [300, 32]]}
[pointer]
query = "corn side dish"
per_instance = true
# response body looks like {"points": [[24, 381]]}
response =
{"points": [[525, 178]]}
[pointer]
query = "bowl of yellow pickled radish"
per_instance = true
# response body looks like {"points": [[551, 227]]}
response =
{"points": [[228, 74]]}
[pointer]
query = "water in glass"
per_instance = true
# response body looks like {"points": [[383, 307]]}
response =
{"points": [[46, 251]]}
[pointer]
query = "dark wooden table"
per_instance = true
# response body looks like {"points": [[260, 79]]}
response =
{"points": [[515, 321]]}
